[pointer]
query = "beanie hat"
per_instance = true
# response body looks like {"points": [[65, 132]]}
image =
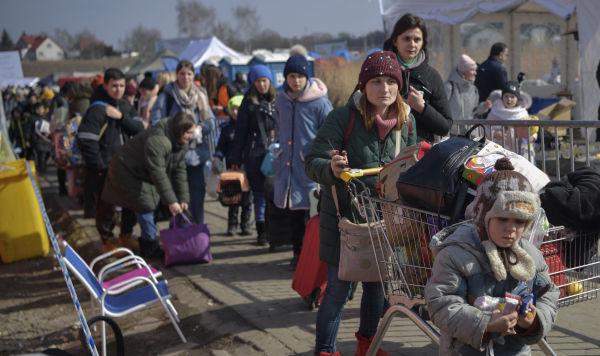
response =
{"points": [[148, 83], [377, 64], [296, 64], [512, 87], [505, 194], [234, 102], [465, 64], [259, 71], [47, 94]]}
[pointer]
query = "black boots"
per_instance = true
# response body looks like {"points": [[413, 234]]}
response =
{"points": [[261, 236], [150, 249]]}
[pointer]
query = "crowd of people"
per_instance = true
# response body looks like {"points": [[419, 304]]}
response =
{"points": [[142, 150]]}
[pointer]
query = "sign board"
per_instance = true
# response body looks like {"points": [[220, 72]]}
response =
{"points": [[10, 65]]}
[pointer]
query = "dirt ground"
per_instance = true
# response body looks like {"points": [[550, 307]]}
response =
{"points": [[36, 311]]}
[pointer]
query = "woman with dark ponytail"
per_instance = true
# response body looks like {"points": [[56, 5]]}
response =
{"points": [[423, 87]]}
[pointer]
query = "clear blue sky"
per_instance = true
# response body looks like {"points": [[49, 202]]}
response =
{"points": [[111, 20]]}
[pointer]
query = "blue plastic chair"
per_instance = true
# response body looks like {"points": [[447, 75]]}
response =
{"points": [[123, 298]]}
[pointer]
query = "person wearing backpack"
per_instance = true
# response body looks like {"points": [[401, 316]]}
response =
{"points": [[105, 127], [184, 95], [366, 133]]}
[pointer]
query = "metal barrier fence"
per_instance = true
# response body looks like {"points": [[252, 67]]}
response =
{"points": [[560, 145]]}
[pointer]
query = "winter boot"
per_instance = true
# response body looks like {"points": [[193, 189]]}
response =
{"points": [[363, 346], [150, 249], [261, 235], [245, 220], [127, 241], [232, 220]]}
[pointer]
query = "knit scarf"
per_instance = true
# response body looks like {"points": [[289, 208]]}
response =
{"points": [[385, 126], [190, 100]]}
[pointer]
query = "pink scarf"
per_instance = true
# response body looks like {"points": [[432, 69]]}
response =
{"points": [[385, 126]]}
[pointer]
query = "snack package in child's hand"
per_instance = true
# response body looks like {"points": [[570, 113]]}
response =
{"points": [[526, 302], [511, 303], [487, 303]]}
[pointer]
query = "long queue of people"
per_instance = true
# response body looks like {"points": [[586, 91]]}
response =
{"points": [[146, 148]]}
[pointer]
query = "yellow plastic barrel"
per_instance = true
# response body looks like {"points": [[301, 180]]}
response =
{"points": [[22, 231]]}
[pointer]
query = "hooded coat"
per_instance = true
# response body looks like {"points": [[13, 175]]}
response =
{"points": [[298, 120], [461, 273], [365, 150], [147, 170]]}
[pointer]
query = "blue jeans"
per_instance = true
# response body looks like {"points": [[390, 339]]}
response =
{"points": [[330, 311], [258, 198], [147, 225], [197, 185]]}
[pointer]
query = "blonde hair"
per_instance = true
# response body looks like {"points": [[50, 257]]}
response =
{"points": [[165, 78], [367, 111]]}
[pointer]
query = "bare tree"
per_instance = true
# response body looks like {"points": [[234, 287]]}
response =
{"points": [[248, 23], [63, 38], [228, 35], [142, 40], [194, 19]]}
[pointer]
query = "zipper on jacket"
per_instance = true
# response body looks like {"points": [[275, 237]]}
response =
{"points": [[288, 194]]}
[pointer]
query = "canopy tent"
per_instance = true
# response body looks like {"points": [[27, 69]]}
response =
{"points": [[210, 48], [154, 64], [579, 70]]}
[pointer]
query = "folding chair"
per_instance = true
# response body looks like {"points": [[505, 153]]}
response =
{"points": [[126, 295]]}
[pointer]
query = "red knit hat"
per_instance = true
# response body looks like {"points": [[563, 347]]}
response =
{"points": [[377, 64]]}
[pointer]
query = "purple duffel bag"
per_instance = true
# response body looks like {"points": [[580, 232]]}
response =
{"points": [[185, 242]]}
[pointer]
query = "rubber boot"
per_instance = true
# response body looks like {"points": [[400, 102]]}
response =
{"points": [[261, 237], [363, 346]]}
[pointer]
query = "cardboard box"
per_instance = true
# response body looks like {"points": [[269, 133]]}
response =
{"points": [[560, 110]]}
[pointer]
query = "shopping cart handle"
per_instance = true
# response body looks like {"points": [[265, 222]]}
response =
{"points": [[346, 176]]}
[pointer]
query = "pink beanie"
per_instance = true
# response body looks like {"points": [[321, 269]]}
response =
{"points": [[465, 64]]}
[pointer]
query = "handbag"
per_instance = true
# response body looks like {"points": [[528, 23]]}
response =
{"points": [[435, 182], [358, 255], [266, 166], [185, 242]]}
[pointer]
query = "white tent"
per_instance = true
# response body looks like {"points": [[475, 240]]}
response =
{"points": [[210, 48], [579, 71]]}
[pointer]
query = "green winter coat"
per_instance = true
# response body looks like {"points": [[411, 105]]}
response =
{"points": [[365, 150], [148, 169]]}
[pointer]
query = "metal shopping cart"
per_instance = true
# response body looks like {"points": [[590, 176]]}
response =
{"points": [[573, 261], [404, 260], [402, 254]]}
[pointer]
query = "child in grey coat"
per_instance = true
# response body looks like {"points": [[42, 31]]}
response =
{"points": [[487, 257]]}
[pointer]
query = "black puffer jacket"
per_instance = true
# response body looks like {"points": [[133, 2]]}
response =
{"points": [[436, 118], [574, 202], [98, 147]]}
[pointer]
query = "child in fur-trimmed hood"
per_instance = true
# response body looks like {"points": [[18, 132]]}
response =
{"points": [[488, 256]]}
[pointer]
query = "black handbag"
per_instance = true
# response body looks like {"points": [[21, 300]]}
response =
{"points": [[435, 182]]}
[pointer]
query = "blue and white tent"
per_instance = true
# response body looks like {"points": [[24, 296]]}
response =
{"points": [[199, 51]]}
